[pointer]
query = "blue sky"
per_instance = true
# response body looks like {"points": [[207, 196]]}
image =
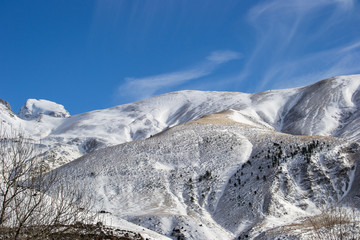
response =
{"points": [[90, 55]]}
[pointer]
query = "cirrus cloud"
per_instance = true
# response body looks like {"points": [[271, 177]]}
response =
{"points": [[300, 40], [140, 88]]}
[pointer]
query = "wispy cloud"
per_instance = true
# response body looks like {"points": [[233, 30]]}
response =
{"points": [[222, 56], [141, 88], [287, 30], [338, 61]]}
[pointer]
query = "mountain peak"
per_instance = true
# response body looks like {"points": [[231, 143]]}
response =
{"points": [[34, 108]]}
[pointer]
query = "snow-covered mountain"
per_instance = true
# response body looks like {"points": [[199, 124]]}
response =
{"points": [[215, 178], [207, 165], [328, 108]]}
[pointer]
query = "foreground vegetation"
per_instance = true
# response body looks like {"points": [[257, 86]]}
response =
{"points": [[333, 223]]}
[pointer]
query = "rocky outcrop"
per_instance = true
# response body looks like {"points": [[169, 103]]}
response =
{"points": [[7, 107], [5, 103]]}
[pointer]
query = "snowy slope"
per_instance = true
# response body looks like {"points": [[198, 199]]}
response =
{"points": [[40, 118], [215, 178], [207, 165], [328, 108]]}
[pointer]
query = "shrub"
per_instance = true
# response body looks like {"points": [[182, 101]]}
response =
{"points": [[333, 223]]}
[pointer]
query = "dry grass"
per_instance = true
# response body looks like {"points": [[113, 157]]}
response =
{"points": [[76, 231], [332, 224], [220, 118], [217, 118]]}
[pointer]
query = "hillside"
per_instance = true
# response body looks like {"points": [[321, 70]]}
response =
{"points": [[218, 179]]}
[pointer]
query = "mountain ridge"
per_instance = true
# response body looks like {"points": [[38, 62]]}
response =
{"points": [[328, 108]]}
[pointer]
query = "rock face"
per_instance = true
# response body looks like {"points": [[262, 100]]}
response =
{"points": [[6, 114], [5, 103], [34, 109]]}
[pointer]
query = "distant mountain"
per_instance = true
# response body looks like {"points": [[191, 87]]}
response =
{"points": [[328, 108], [35, 109]]}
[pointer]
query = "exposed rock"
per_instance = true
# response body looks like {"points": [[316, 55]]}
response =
{"points": [[5, 103], [7, 107], [92, 144]]}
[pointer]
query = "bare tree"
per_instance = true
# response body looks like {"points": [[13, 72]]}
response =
{"points": [[32, 204]]}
